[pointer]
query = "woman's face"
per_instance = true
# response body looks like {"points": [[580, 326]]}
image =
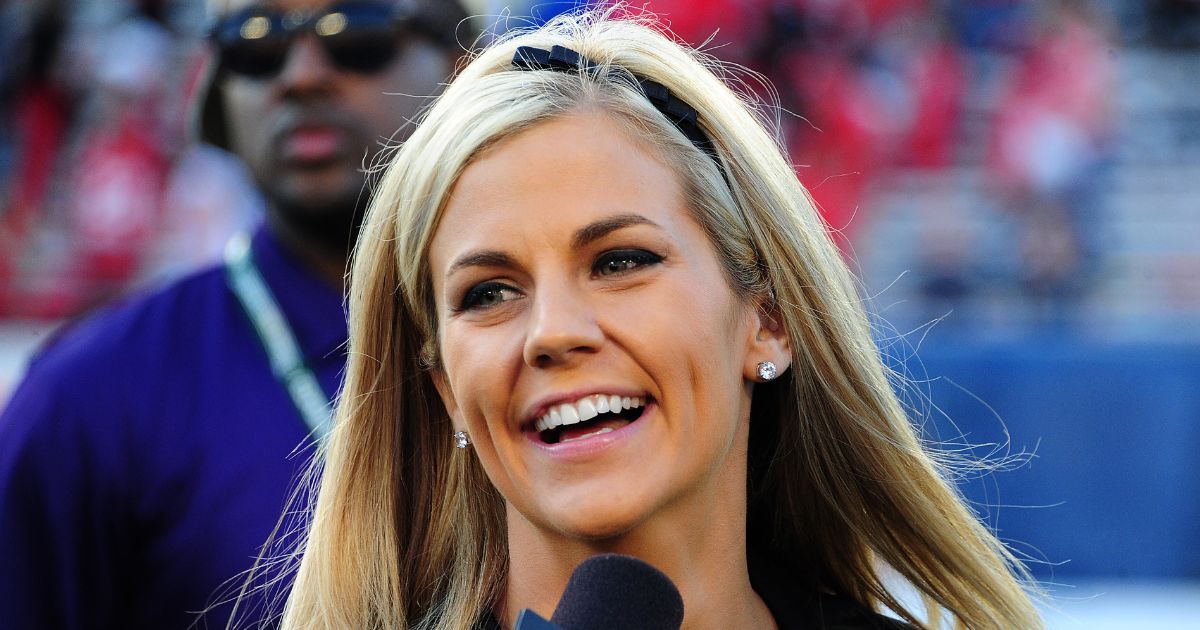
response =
{"points": [[590, 344]]}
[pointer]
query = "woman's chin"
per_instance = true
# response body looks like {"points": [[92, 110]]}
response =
{"points": [[596, 523], [599, 533]]}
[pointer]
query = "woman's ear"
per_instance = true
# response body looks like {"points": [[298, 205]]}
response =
{"points": [[769, 344], [446, 393]]}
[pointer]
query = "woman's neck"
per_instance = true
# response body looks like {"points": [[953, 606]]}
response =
{"points": [[702, 549]]}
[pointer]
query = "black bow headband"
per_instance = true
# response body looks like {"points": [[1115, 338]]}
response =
{"points": [[563, 59]]}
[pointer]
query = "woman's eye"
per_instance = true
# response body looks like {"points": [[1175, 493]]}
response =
{"points": [[621, 261], [486, 295]]}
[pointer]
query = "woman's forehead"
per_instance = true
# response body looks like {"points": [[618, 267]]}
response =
{"points": [[555, 177]]}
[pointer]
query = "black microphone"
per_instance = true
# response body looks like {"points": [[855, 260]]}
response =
{"points": [[612, 592]]}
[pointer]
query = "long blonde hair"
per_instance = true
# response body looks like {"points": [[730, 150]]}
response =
{"points": [[407, 531]]}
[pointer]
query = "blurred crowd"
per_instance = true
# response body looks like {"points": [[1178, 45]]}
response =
{"points": [[102, 186], [1016, 100]]}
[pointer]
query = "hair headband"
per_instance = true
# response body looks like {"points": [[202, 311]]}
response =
{"points": [[682, 115]]}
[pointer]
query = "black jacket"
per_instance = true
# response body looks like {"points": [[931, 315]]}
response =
{"points": [[794, 606]]}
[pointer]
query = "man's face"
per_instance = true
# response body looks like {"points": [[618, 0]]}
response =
{"points": [[307, 131]]}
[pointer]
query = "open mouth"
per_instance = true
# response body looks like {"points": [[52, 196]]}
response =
{"points": [[588, 417]]}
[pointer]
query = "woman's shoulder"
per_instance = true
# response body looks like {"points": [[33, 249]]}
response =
{"points": [[833, 612], [796, 605]]}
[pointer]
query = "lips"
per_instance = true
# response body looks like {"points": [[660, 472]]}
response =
{"points": [[312, 144]]}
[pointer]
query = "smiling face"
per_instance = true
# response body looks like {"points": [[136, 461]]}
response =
{"points": [[570, 275]]}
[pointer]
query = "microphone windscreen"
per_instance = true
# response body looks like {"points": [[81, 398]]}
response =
{"points": [[615, 592]]}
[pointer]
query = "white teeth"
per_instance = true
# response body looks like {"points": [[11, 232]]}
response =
{"points": [[585, 409], [569, 414]]}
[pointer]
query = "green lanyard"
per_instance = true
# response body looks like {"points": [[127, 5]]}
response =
{"points": [[287, 363]]}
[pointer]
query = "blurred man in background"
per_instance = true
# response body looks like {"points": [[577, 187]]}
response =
{"points": [[149, 451]]}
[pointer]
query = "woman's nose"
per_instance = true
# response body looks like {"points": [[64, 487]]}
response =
{"points": [[562, 328]]}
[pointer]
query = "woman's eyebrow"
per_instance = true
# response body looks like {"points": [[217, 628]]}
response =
{"points": [[583, 237], [599, 229], [481, 258]]}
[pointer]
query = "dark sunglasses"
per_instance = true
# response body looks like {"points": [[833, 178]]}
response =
{"points": [[358, 36]]}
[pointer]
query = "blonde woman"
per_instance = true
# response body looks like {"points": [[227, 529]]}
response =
{"points": [[592, 310]]}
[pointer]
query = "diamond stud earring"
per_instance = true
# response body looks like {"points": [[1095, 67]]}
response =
{"points": [[767, 371], [460, 439]]}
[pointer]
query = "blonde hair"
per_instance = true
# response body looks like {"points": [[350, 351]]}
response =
{"points": [[408, 533]]}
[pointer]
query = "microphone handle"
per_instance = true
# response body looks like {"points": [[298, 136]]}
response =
{"points": [[529, 620]]}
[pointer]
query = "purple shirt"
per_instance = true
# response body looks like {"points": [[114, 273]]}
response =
{"points": [[147, 454]]}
